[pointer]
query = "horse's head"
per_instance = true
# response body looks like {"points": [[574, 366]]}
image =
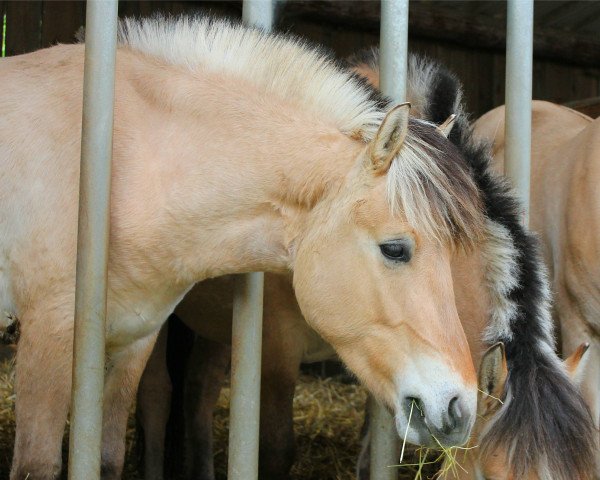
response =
{"points": [[492, 463], [372, 276]]}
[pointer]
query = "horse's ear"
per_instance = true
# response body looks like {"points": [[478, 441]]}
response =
{"points": [[492, 377], [389, 138], [576, 363], [446, 127]]}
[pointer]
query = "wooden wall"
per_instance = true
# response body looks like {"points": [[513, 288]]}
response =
{"points": [[37, 24]]}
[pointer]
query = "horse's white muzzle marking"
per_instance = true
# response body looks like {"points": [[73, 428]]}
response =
{"points": [[443, 405]]}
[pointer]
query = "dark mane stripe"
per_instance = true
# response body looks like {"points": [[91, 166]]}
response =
{"points": [[544, 423]]}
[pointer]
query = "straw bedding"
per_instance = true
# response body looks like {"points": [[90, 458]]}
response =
{"points": [[328, 415]]}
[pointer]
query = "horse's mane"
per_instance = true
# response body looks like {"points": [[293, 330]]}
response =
{"points": [[277, 64], [428, 182], [544, 423]]}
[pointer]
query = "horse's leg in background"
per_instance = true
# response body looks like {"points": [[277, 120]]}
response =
{"points": [[206, 370], [575, 329], [123, 372], [283, 348], [363, 465], [43, 390], [153, 407]]}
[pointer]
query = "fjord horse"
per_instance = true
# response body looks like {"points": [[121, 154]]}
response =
{"points": [[516, 440], [499, 294], [234, 150]]}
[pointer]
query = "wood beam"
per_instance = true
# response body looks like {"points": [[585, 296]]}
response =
{"points": [[440, 23]]}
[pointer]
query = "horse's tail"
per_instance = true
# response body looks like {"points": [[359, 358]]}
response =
{"points": [[544, 423]]}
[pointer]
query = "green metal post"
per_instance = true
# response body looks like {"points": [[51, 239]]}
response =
{"points": [[92, 241]]}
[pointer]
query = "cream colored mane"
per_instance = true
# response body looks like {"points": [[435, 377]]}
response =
{"points": [[443, 207], [277, 64]]}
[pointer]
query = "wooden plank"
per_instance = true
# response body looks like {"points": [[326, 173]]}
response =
{"points": [[60, 21], [587, 106], [23, 26], [429, 21]]}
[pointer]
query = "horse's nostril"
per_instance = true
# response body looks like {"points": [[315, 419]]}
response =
{"points": [[454, 408], [455, 413], [416, 405]]}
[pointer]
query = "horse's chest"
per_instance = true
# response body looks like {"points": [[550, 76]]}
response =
{"points": [[132, 325], [131, 321], [316, 349]]}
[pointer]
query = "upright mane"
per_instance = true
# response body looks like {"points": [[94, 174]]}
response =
{"points": [[428, 182], [544, 423], [278, 64]]}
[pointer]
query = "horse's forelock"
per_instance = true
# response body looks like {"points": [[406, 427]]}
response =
{"points": [[431, 185]]}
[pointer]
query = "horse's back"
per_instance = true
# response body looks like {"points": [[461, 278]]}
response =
{"points": [[554, 130], [552, 126]]}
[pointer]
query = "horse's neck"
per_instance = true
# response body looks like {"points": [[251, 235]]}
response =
{"points": [[226, 176], [472, 297]]}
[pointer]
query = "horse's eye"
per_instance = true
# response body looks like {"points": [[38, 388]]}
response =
{"points": [[398, 251]]}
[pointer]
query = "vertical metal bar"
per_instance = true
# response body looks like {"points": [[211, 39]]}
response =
{"points": [[259, 13], [393, 67], [519, 65], [384, 443], [246, 335], [393, 48], [92, 241], [244, 416]]}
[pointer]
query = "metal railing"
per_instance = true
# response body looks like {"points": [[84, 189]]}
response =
{"points": [[92, 254], [246, 334], [393, 67], [85, 440], [519, 66]]}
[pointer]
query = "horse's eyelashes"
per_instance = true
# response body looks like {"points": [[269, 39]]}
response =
{"points": [[397, 251]]}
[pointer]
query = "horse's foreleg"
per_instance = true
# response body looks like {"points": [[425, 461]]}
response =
{"points": [[153, 406], [43, 389], [363, 465], [282, 354], [206, 371], [277, 441], [124, 369]]}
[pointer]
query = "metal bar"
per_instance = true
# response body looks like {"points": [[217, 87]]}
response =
{"points": [[393, 48], [92, 240], [246, 342], [259, 13], [384, 443], [246, 334], [519, 65], [393, 67]]}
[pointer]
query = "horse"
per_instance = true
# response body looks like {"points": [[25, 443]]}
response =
{"points": [[565, 149], [484, 286], [235, 150], [539, 402]]}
